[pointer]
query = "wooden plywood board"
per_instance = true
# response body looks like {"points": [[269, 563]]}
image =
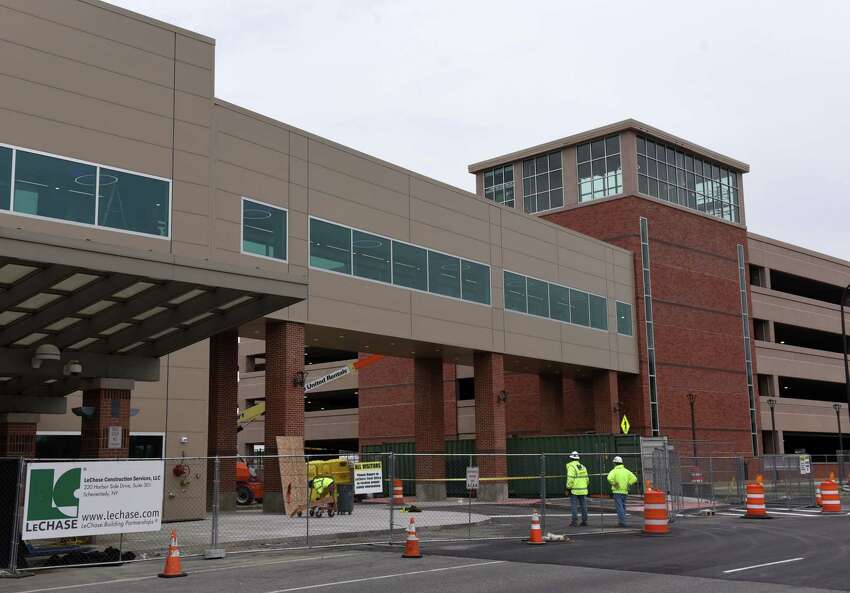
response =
{"points": [[293, 474]]}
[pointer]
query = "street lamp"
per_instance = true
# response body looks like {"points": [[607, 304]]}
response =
{"points": [[772, 404], [837, 408], [692, 398]]}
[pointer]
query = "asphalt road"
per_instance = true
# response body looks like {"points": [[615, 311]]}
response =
{"points": [[718, 555]]}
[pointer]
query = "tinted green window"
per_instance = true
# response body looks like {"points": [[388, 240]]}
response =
{"points": [[598, 312], [371, 256], [538, 298], [515, 294], [624, 319], [475, 282], [579, 307], [55, 188], [330, 246], [559, 303], [263, 230], [443, 274], [5, 177], [133, 203], [410, 266]]}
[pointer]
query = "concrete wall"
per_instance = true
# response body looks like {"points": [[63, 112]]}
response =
{"points": [[785, 360]]}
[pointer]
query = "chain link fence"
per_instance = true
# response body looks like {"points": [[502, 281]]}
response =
{"points": [[221, 505]]}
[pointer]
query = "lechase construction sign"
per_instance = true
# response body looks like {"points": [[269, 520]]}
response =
{"points": [[91, 498]]}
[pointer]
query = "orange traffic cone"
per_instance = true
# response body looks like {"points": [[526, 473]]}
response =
{"points": [[172, 560], [536, 536], [411, 546]]}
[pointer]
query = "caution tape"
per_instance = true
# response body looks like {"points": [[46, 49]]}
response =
{"points": [[496, 479]]}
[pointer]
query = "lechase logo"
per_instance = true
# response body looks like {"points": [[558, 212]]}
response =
{"points": [[53, 502]]}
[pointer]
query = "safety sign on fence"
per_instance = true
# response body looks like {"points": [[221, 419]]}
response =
{"points": [[92, 498], [368, 477], [472, 477], [805, 465]]}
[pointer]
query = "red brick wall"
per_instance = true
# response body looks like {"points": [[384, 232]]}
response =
{"points": [[94, 429], [223, 401], [17, 439], [429, 411], [699, 342], [284, 399]]}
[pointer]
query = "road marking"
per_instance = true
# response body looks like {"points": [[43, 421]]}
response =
{"points": [[762, 565], [191, 572], [387, 576], [526, 515], [774, 512]]}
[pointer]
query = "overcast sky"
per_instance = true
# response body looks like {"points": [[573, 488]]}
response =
{"points": [[436, 85]]}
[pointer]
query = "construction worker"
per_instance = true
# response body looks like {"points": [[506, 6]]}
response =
{"points": [[577, 481], [620, 479]]}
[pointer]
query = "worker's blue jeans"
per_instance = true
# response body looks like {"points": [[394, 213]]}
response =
{"points": [[577, 501], [620, 503]]}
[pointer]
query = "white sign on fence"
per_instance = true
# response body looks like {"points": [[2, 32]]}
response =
{"points": [[92, 498], [472, 478], [805, 465], [368, 477]]}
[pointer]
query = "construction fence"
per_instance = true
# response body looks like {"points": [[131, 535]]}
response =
{"points": [[453, 496]]}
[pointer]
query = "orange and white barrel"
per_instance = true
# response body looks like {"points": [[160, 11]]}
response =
{"points": [[398, 492], [830, 498], [756, 508], [655, 513]]}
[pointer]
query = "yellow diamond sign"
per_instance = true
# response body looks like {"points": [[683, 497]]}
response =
{"points": [[624, 424]]}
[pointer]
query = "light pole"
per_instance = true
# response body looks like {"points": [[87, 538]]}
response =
{"points": [[692, 398], [772, 404], [844, 345], [837, 408]]}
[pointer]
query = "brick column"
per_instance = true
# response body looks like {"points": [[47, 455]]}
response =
{"points": [[17, 435], [284, 400], [606, 403], [429, 427], [551, 404], [109, 400], [490, 434], [221, 419]]}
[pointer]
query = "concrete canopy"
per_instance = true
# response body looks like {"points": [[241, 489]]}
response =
{"points": [[114, 311]]}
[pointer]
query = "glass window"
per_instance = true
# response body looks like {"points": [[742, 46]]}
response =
{"points": [[133, 203], [624, 319], [685, 179], [538, 297], [515, 293], [410, 266], [559, 303], [499, 185], [54, 188], [371, 255], [330, 246], [579, 307], [443, 274], [263, 230], [475, 282], [5, 177], [598, 312], [543, 182], [604, 175]]}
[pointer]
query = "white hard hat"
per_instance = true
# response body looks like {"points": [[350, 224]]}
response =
{"points": [[574, 455], [618, 459]]}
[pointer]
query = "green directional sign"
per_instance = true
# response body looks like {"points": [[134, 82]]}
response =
{"points": [[624, 424]]}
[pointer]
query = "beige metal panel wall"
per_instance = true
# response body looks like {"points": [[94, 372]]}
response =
{"points": [[341, 185], [802, 363], [793, 259], [800, 415], [791, 309]]}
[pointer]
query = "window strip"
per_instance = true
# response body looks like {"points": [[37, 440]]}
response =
{"points": [[650, 332], [748, 357]]}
